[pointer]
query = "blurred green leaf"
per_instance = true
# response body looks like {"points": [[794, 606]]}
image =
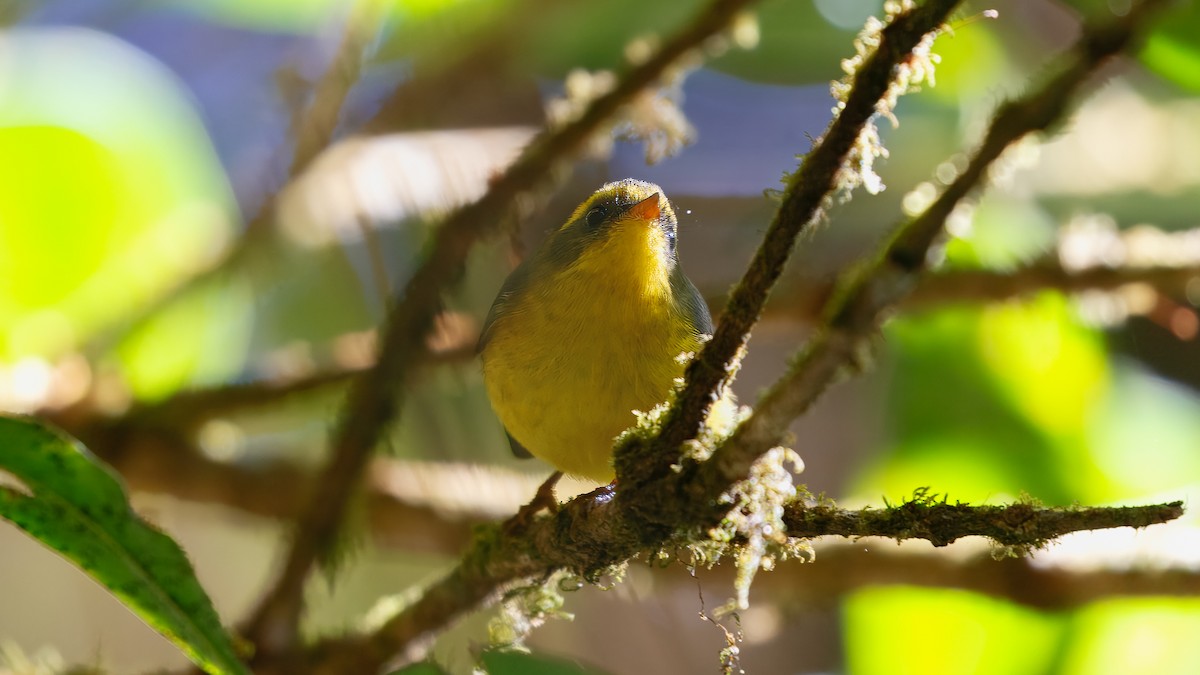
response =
{"points": [[299, 16], [797, 43], [901, 631], [203, 338], [991, 402], [1003, 233], [72, 503], [1144, 435], [1142, 636], [519, 663], [424, 668], [1172, 49], [42, 164], [101, 205], [973, 66], [1053, 369], [307, 16]]}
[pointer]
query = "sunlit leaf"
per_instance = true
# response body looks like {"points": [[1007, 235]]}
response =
{"points": [[1053, 368], [423, 668], [102, 204], [280, 15], [202, 339], [519, 663], [1172, 49], [1144, 435], [902, 631], [72, 503], [1142, 636], [1002, 234], [990, 402]]}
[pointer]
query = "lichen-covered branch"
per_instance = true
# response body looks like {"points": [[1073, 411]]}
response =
{"points": [[375, 396], [941, 523], [586, 537]]}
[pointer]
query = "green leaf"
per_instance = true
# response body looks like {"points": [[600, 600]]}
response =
{"points": [[498, 662], [74, 504], [117, 199], [1134, 636], [912, 631], [423, 668], [1171, 48]]}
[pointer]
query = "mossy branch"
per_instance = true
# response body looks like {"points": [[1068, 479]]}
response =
{"points": [[376, 396], [1024, 526], [587, 538]]}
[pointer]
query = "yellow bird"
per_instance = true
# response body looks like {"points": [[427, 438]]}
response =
{"points": [[591, 327]]}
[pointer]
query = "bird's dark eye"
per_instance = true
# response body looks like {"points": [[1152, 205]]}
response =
{"points": [[596, 216]]}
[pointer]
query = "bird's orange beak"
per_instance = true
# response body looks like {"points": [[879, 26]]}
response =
{"points": [[647, 209]]}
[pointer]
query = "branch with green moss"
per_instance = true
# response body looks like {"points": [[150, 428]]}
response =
{"points": [[376, 396], [1023, 526]]}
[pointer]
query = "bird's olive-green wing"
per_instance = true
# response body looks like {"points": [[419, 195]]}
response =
{"points": [[690, 302], [513, 286], [518, 450]]}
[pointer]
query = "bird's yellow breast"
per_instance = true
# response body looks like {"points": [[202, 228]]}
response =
{"points": [[586, 345]]}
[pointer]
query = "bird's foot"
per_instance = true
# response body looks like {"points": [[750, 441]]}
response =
{"points": [[543, 499]]}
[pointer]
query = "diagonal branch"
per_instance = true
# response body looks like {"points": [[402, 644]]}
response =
{"points": [[808, 191], [375, 397]]}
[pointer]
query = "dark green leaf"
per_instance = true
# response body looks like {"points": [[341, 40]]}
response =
{"points": [[72, 503], [423, 668], [1172, 49], [520, 663]]}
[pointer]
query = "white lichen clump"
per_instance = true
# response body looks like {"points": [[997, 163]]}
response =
{"points": [[756, 522], [917, 69]]}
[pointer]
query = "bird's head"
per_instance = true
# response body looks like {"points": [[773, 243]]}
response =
{"points": [[626, 224]]}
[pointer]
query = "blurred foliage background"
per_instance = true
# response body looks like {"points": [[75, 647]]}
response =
{"points": [[146, 145]]}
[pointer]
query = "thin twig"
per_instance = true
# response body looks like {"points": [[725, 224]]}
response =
{"points": [[843, 568], [992, 285], [375, 397]]}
